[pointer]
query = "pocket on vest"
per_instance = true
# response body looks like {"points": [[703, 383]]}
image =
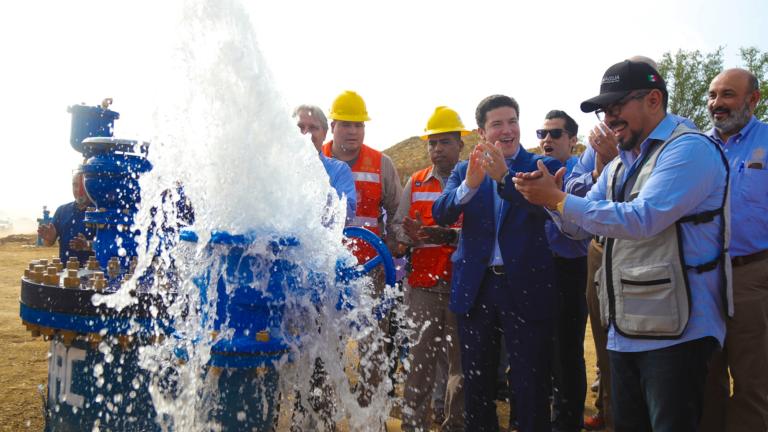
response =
{"points": [[648, 302]]}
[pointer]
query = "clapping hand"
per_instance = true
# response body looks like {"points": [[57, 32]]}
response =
{"points": [[433, 234], [541, 187], [604, 142], [475, 170], [412, 227], [493, 162]]}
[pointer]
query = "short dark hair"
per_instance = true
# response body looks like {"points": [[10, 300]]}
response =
{"points": [[570, 124], [491, 103]]}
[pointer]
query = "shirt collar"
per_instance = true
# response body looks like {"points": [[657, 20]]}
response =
{"points": [[662, 131], [743, 133], [432, 174], [517, 153]]}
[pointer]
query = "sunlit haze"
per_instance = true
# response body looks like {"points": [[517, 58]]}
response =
{"points": [[404, 58]]}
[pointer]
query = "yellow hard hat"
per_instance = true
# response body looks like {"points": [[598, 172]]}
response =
{"points": [[444, 120], [349, 106]]}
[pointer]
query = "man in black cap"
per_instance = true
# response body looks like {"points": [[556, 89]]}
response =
{"points": [[663, 283]]}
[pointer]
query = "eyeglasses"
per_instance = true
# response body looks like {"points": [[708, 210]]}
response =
{"points": [[614, 109], [554, 133]]}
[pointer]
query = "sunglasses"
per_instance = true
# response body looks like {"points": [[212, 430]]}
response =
{"points": [[554, 133]]}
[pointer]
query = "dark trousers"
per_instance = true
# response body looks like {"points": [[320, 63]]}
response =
{"points": [[569, 374], [660, 390], [529, 347], [599, 335]]}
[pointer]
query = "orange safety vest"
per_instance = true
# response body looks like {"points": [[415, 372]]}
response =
{"points": [[429, 262], [369, 189]]}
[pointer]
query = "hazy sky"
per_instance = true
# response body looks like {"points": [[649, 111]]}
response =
{"points": [[403, 57]]}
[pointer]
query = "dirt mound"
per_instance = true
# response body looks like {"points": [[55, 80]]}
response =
{"points": [[19, 238]]}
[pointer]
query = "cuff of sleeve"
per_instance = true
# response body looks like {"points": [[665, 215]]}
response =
{"points": [[464, 193], [561, 205], [573, 208], [455, 241]]}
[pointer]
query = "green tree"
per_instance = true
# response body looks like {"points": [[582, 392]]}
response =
{"points": [[757, 63], [688, 74]]}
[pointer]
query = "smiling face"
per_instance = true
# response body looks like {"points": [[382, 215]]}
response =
{"points": [[633, 119], [731, 101], [557, 148], [502, 125]]}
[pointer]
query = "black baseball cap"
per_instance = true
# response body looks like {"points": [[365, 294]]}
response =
{"points": [[620, 79]]}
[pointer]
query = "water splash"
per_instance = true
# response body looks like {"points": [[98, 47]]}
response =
{"points": [[223, 135]]}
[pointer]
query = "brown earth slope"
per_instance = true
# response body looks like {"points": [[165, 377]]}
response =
{"points": [[23, 359]]}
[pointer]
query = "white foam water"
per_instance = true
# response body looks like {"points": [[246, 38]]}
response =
{"points": [[223, 132]]}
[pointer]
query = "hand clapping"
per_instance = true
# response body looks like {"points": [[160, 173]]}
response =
{"points": [[541, 187]]}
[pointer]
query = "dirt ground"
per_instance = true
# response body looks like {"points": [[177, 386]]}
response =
{"points": [[23, 359]]}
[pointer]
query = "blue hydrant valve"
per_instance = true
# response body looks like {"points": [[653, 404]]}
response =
{"points": [[91, 121]]}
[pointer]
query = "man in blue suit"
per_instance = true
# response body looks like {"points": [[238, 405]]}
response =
{"points": [[503, 279]]}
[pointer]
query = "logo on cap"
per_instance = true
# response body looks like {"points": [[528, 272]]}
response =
{"points": [[653, 78], [610, 79]]}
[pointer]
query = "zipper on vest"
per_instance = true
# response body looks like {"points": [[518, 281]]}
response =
{"points": [[609, 282], [646, 283]]}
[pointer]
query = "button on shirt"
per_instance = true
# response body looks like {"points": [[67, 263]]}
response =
{"points": [[464, 194], [689, 178], [747, 154], [342, 181]]}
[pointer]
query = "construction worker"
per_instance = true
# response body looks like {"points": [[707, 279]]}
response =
{"points": [[428, 284], [378, 194], [311, 120], [69, 227]]}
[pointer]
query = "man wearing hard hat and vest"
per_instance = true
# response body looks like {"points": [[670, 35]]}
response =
{"points": [[428, 284], [378, 187]]}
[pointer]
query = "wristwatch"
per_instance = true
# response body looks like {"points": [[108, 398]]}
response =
{"points": [[503, 181], [561, 205]]}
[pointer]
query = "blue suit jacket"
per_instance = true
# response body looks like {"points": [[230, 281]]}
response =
{"points": [[522, 241]]}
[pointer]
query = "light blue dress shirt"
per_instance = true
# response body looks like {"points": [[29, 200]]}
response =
{"points": [[464, 194], [341, 179], [561, 245], [579, 181], [689, 178], [747, 153]]}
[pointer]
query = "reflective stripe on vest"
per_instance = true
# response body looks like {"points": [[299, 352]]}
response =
{"points": [[425, 196], [430, 263], [364, 222], [367, 174], [366, 177]]}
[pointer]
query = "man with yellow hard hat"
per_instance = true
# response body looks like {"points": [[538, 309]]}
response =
{"points": [[378, 194], [428, 284]]}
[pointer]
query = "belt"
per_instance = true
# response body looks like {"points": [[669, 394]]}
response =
{"points": [[497, 269], [747, 259]]}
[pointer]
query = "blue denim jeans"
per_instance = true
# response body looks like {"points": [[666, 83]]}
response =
{"points": [[660, 390]]}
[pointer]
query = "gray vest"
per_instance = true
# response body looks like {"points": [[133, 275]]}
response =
{"points": [[643, 284]]}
